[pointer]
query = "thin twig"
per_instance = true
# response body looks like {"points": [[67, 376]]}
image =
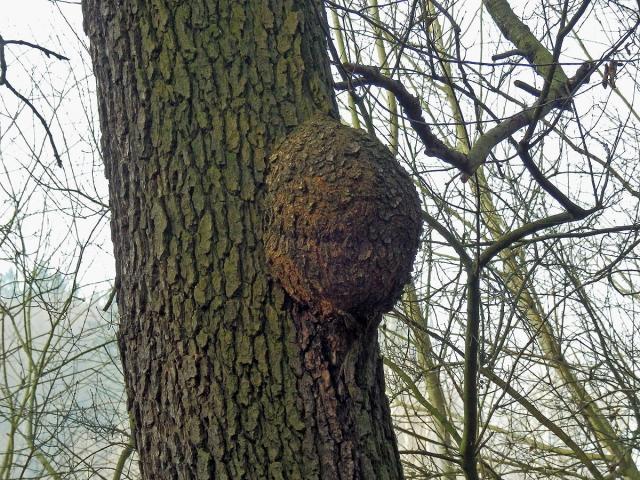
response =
{"points": [[25, 100]]}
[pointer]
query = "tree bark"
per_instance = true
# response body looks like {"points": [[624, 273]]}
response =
{"points": [[226, 376]]}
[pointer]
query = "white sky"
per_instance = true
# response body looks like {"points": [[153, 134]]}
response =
{"points": [[68, 89]]}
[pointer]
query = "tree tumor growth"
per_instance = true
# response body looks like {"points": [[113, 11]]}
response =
{"points": [[344, 219]]}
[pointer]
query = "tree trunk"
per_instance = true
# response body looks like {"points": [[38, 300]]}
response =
{"points": [[226, 376]]}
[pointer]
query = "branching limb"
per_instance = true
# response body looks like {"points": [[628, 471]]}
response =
{"points": [[483, 146], [513, 236], [518, 33], [450, 238], [411, 106], [560, 90], [39, 116], [22, 98], [522, 400], [46, 51], [557, 82], [574, 210]]}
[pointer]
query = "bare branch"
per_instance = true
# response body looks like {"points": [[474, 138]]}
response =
{"points": [[411, 107]]}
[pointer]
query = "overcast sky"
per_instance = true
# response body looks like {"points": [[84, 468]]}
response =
{"points": [[66, 88]]}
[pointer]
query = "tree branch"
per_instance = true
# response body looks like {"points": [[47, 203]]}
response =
{"points": [[528, 229], [518, 33], [509, 53], [450, 238], [46, 51], [522, 400], [40, 118], [25, 100], [574, 210], [561, 90], [411, 107]]}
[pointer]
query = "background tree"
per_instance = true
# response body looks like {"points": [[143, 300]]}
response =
{"points": [[62, 405]]}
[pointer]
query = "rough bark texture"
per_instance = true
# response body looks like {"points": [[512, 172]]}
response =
{"points": [[226, 377], [343, 219]]}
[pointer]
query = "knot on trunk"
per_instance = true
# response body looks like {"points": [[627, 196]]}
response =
{"points": [[343, 219]]}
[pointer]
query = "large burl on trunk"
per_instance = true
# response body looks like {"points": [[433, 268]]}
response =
{"points": [[344, 220], [227, 377]]}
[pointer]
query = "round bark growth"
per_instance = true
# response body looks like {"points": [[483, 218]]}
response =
{"points": [[344, 219]]}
